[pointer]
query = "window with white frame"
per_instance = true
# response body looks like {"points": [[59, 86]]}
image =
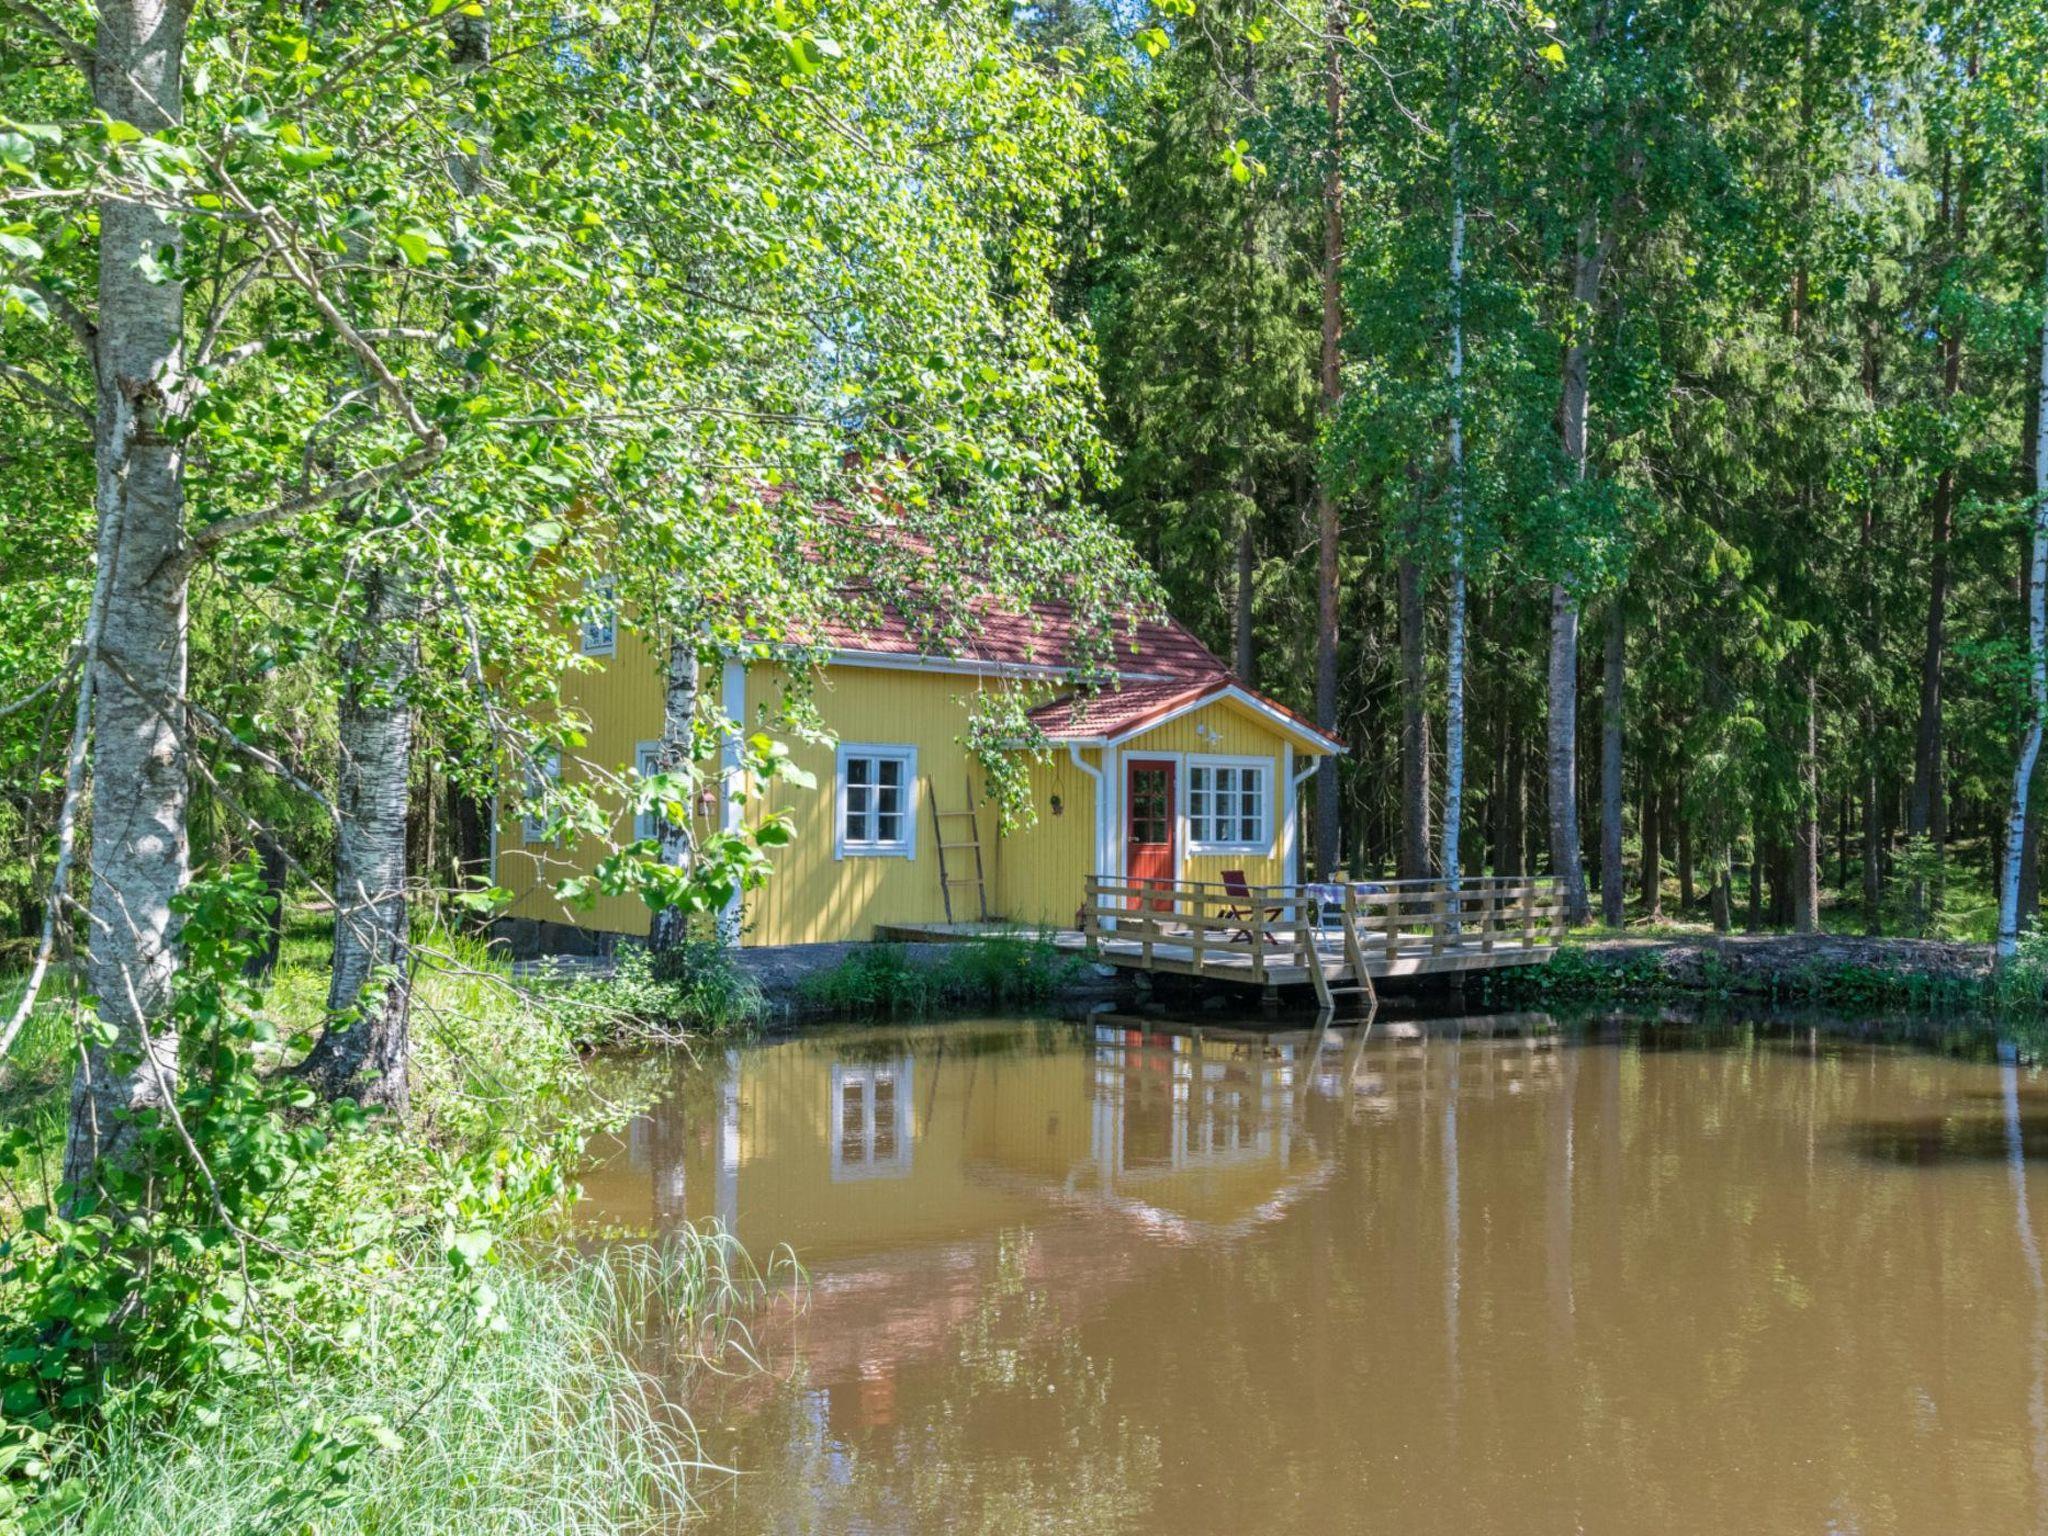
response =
{"points": [[647, 763], [1230, 804], [875, 785], [543, 768], [601, 618]]}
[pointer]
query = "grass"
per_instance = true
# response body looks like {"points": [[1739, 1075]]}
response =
{"points": [[552, 1426], [882, 981], [562, 1416]]}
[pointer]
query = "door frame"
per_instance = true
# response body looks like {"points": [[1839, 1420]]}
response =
{"points": [[1176, 843]]}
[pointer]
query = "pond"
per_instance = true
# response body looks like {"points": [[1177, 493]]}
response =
{"points": [[1482, 1276]]}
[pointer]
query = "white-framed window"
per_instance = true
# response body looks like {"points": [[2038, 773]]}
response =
{"points": [[876, 796], [647, 763], [600, 628], [543, 768], [1230, 804]]}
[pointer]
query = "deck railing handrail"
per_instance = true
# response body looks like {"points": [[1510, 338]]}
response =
{"points": [[1250, 930]]}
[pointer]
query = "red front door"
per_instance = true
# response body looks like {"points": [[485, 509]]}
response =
{"points": [[1149, 818]]}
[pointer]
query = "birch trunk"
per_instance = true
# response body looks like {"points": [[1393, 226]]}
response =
{"points": [[1454, 636], [137, 670], [366, 1047], [1613, 881], [1329, 804], [1415, 732], [670, 929], [2037, 656], [1566, 860]]}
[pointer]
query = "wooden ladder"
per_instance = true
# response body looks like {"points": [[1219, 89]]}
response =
{"points": [[947, 879], [1360, 986]]}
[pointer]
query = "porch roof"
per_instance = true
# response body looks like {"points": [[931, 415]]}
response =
{"points": [[1118, 713]]}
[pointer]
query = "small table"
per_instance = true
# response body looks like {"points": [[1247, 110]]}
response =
{"points": [[1325, 894]]}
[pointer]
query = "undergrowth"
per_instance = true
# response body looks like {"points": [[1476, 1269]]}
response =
{"points": [[289, 1315], [882, 981]]}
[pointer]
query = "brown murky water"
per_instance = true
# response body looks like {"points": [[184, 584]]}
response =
{"points": [[1098, 1279]]}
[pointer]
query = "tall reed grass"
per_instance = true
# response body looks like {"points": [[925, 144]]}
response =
{"points": [[562, 1421]]}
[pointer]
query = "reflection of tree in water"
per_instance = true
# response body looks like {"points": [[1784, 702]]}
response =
{"points": [[1024, 1434]]}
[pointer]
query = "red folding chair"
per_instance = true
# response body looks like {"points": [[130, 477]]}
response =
{"points": [[1239, 889]]}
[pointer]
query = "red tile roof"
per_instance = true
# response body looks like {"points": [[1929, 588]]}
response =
{"points": [[1120, 711], [1044, 635]]}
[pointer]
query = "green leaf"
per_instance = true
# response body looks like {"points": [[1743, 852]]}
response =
{"points": [[308, 158]]}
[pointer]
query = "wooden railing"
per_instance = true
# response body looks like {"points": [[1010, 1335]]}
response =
{"points": [[1384, 923]]}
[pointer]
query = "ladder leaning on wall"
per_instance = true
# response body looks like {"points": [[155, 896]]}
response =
{"points": [[948, 881]]}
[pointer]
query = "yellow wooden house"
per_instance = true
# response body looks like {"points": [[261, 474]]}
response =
{"points": [[1173, 770]]}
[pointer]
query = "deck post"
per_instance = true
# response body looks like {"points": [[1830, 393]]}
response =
{"points": [[1528, 914], [1489, 899], [1255, 925], [1199, 924]]}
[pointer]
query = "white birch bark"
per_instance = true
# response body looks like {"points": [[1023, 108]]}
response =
{"points": [[1566, 861], [2037, 654], [136, 672], [1454, 641]]}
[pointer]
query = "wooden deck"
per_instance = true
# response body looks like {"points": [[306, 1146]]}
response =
{"points": [[1336, 939]]}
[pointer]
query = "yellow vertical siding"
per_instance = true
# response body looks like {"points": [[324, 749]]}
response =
{"points": [[1042, 870], [622, 700], [1035, 877], [816, 896]]}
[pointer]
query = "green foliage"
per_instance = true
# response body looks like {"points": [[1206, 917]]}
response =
{"points": [[550, 1425], [882, 981], [1004, 742], [298, 1271], [697, 988]]}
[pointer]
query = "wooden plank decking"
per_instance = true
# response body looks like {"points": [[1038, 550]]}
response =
{"points": [[1295, 935]]}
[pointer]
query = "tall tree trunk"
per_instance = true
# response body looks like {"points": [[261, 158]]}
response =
{"points": [[1674, 804], [2030, 857], [1329, 803], [1653, 847], [137, 670], [1589, 267], [1806, 832], [1515, 813], [671, 925], [1242, 619], [1925, 812], [1613, 885], [1454, 636], [366, 1046], [2009, 913], [1415, 732]]}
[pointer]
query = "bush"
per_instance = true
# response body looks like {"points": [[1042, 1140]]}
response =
{"points": [[696, 989]]}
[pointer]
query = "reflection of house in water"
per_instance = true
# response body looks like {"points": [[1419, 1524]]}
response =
{"points": [[860, 1143], [923, 1176], [871, 1126]]}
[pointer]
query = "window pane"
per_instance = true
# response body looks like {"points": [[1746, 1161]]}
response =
{"points": [[889, 797], [889, 827], [889, 770], [860, 770]]}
